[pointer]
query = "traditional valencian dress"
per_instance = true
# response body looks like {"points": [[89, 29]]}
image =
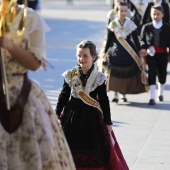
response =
{"points": [[84, 118], [138, 8], [39, 142], [123, 65]]}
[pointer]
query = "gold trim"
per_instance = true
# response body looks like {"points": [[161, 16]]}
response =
{"points": [[134, 56], [83, 96], [139, 9]]}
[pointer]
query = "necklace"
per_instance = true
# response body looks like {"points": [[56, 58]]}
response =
{"points": [[122, 23]]}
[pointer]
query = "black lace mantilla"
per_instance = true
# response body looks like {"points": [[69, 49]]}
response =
{"points": [[84, 77]]}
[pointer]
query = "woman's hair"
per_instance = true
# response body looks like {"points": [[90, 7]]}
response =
{"points": [[158, 7], [118, 4], [90, 45]]}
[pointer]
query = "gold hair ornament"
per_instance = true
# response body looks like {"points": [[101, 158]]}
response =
{"points": [[22, 23], [8, 8], [3, 21]]}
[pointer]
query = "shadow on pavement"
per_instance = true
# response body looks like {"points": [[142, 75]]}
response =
{"points": [[167, 86], [117, 123], [158, 106], [168, 72]]}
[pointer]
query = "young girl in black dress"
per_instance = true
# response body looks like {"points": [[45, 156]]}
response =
{"points": [[125, 68], [86, 117]]}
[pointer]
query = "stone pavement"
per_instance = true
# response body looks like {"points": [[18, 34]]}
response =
{"points": [[143, 131]]}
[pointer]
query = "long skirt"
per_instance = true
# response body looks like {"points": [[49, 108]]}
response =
{"points": [[125, 80], [88, 138], [39, 142]]}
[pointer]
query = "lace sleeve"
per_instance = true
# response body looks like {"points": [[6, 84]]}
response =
{"points": [[36, 28], [35, 22]]}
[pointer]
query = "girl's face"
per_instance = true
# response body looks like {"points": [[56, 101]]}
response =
{"points": [[84, 58], [156, 15], [122, 12]]}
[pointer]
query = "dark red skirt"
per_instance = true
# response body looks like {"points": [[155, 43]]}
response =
{"points": [[117, 161], [91, 145]]}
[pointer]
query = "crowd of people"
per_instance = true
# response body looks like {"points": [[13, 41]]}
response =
{"points": [[78, 134], [135, 50]]}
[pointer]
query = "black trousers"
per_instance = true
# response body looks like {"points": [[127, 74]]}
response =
{"points": [[157, 65]]}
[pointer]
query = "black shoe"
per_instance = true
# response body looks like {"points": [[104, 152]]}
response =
{"points": [[151, 102], [115, 100], [124, 99], [161, 99]]}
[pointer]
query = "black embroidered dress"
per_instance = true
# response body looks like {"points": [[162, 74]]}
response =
{"points": [[124, 74], [85, 126]]}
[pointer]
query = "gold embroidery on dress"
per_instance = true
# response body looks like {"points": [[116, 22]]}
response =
{"points": [[77, 85]]}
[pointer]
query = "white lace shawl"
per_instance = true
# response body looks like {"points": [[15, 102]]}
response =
{"points": [[96, 79], [128, 27]]}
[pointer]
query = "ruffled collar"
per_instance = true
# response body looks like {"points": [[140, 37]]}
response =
{"points": [[157, 25], [127, 28], [127, 23], [84, 77], [122, 25]]}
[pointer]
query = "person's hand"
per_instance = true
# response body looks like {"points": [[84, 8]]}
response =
{"points": [[5, 42], [142, 53], [59, 121], [109, 128]]}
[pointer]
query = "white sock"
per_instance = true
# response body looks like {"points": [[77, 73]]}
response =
{"points": [[160, 89], [116, 95], [152, 91]]}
